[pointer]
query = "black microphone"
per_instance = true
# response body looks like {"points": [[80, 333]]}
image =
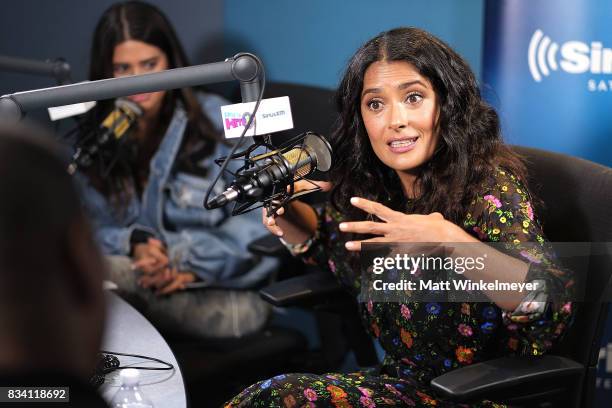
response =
{"points": [[113, 128], [274, 171]]}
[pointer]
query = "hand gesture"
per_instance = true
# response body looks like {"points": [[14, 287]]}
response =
{"points": [[395, 226]]}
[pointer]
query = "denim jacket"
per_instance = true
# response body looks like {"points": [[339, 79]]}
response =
{"points": [[210, 243]]}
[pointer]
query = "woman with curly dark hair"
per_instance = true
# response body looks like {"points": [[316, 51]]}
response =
{"points": [[419, 158]]}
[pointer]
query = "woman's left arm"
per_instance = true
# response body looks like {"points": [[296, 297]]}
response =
{"points": [[505, 214], [502, 214]]}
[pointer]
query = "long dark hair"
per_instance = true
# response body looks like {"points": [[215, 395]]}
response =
{"points": [[469, 146], [136, 20]]}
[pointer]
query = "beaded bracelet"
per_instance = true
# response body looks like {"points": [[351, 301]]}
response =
{"points": [[297, 249]]}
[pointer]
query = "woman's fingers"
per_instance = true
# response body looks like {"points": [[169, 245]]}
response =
{"points": [[159, 255], [173, 286], [270, 224], [152, 258], [279, 211], [158, 280], [366, 227], [147, 265], [356, 245], [166, 275], [377, 209], [154, 242], [275, 229], [178, 282], [302, 185]]}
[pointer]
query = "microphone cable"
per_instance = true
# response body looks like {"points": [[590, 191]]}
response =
{"points": [[262, 75], [108, 362]]}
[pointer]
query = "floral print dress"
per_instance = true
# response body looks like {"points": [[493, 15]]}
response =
{"points": [[424, 340]]}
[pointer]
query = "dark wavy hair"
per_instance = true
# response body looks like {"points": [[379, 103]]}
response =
{"points": [[470, 145], [136, 20]]}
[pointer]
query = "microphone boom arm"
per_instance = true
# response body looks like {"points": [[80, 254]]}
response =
{"points": [[56, 68], [243, 67]]}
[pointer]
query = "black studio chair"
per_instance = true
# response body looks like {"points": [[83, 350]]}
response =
{"points": [[577, 207], [312, 107]]}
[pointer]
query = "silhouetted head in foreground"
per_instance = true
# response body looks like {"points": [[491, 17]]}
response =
{"points": [[51, 301]]}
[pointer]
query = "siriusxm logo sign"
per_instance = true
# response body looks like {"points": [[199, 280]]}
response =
{"points": [[273, 115], [572, 57]]}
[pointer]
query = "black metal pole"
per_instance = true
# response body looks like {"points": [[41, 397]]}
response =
{"points": [[243, 67], [58, 68]]}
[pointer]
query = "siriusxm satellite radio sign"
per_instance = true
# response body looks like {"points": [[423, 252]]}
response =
{"points": [[571, 57], [548, 70]]}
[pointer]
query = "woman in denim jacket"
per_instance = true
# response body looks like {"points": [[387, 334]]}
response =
{"points": [[148, 210]]}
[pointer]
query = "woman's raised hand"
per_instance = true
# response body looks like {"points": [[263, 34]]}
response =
{"points": [[395, 226]]}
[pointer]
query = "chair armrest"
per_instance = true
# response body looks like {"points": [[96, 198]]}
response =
{"points": [[502, 375], [308, 289], [268, 245]]}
